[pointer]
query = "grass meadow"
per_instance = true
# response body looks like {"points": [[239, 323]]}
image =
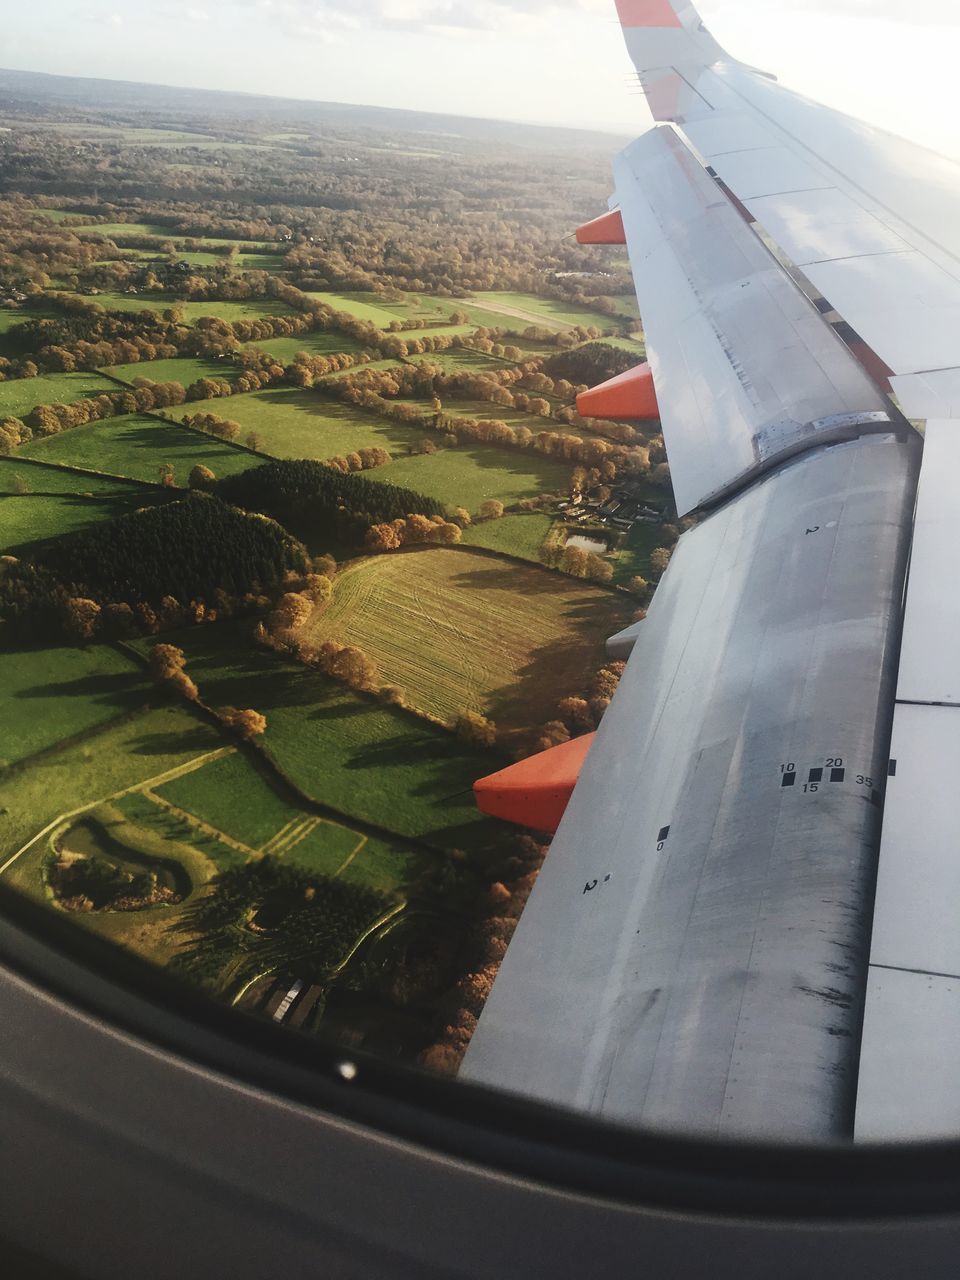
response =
{"points": [[182, 369], [28, 476], [19, 395], [470, 474], [26, 520], [138, 446], [49, 694], [295, 423], [517, 534]]}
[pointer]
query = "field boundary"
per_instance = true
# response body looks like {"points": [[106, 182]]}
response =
{"points": [[270, 768], [15, 459]]}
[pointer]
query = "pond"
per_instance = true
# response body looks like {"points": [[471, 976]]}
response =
{"points": [[583, 543]]}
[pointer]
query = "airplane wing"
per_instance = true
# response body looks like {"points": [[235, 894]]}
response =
{"points": [[697, 951]]}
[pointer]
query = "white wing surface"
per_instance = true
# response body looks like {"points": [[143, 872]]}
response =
{"points": [[747, 370], [697, 950]]}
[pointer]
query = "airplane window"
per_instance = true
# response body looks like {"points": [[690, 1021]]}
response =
{"points": [[476, 595]]}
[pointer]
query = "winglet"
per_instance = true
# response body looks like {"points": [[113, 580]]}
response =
{"points": [[647, 13], [663, 36]]}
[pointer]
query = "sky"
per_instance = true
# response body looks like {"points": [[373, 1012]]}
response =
{"points": [[891, 62]]}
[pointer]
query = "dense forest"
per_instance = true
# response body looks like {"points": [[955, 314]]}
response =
{"points": [[315, 500], [158, 566]]}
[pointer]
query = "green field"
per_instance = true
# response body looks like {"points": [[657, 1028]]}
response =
{"points": [[203, 258], [26, 475], [124, 756], [249, 309], [138, 446], [243, 261], [316, 343], [305, 424], [634, 556], [459, 359], [10, 316], [230, 796], [55, 215], [462, 632], [114, 229], [47, 695], [502, 413], [365, 306], [261, 261], [489, 317], [19, 395], [182, 369], [151, 301], [365, 760], [548, 311], [468, 475], [26, 520], [519, 534], [383, 312]]}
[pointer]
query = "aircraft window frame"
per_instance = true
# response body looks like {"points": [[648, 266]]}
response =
{"points": [[498, 1132]]}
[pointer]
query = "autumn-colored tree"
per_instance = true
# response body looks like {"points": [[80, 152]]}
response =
{"points": [[575, 714], [167, 475], [291, 612], [574, 561], [448, 534], [201, 477], [475, 729], [553, 733], [318, 588], [247, 724], [382, 537], [349, 664], [443, 1059], [165, 659], [180, 683], [492, 509], [659, 559], [639, 586], [81, 617], [598, 569]]}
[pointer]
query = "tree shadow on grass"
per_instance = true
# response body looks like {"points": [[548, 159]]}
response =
{"points": [[197, 739], [402, 749], [121, 687]]}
